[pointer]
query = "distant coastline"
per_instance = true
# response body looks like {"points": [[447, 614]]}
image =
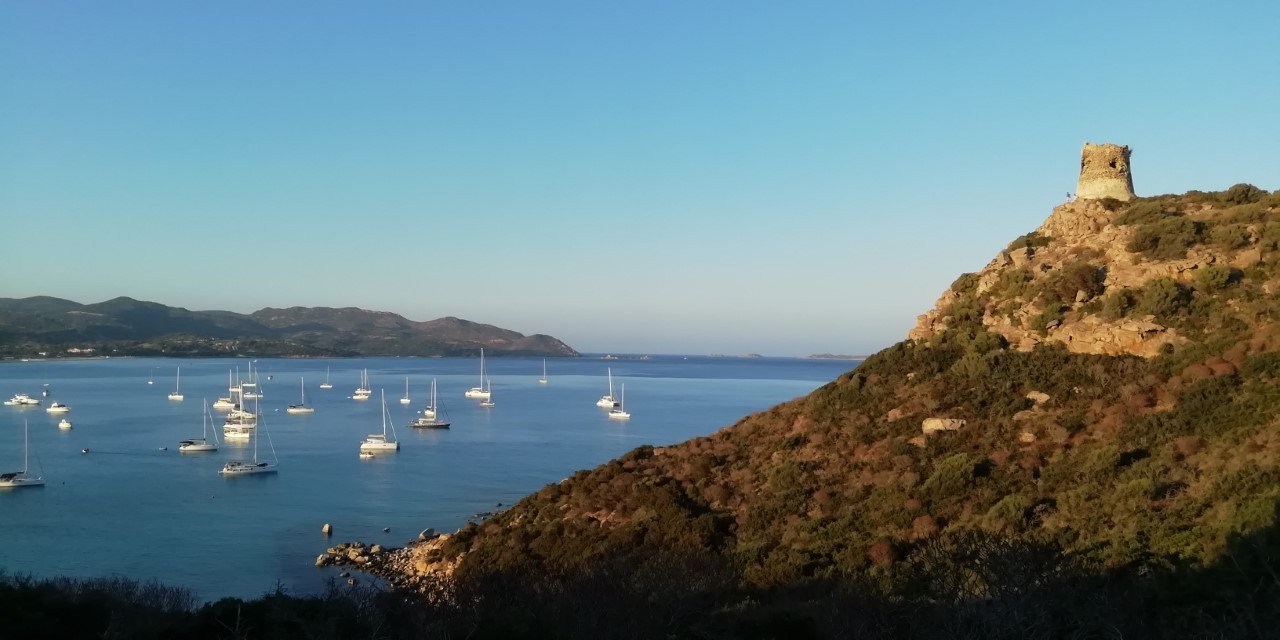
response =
{"points": [[834, 356]]}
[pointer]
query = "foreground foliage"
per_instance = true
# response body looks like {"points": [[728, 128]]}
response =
{"points": [[977, 585]]}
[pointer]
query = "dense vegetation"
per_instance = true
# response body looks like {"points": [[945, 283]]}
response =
{"points": [[975, 586]]}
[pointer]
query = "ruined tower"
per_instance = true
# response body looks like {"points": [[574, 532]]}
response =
{"points": [[1104, 172]]}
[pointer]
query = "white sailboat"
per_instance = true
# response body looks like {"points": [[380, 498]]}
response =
{"points": [[152, 379], [227, 403], [326, 384], [177, 386], [405, 399], [620, 413], [194, 445], [480, 391], [430, 410], [239, 468], [362, 392], [378, 442], [240, 423], [430, 418], [607, 401], [22, 478], [543, 379], [249, 388], [301, 407]]}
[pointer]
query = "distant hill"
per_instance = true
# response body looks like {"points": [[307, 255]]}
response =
{"points": [[124, 326]]}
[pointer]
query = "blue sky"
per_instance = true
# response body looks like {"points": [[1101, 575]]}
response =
{"points": [[667, 177]]}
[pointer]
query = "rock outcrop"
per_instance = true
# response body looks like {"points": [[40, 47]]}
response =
{"points": [[418, 566], [1075, 233]]}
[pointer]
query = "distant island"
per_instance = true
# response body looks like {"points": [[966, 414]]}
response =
{"points": [[49, 327], [834, 356]]}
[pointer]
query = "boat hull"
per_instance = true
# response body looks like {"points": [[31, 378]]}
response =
{"points": [[21, 482], [429, 424], [245, 469]]}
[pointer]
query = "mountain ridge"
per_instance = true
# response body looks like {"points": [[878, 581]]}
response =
{"points": [[127, 326]]}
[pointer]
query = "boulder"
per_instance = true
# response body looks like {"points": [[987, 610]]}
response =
{"points": [[327, 529], [933, 425], [1038, 397], [375, 549], [323, 560], [427, 534]]}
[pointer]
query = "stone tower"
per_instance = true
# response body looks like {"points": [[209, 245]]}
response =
{"points": [[1104, 173]]}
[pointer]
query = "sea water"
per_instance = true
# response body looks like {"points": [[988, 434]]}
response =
{"points": [[134, 506]]}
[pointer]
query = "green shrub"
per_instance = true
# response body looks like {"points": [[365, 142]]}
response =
{"points": [[950, 479], [1229, 236], [1243, 194], [1162, 298], [1032, 239], [1145, 212], [1214, 278], [1270, 236], [965, 285], [1072, 278], [1051, 314], [1244, 214], [1167, 239], [1263, 365], [1012, 283], [1008, 515], [1117, 304]]}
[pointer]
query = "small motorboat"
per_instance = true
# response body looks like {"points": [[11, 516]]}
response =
{"points": [[64, 424]]}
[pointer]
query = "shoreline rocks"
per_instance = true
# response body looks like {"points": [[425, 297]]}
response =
{"points": [[418, 566]]}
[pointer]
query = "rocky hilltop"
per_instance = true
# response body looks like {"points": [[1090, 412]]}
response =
{"points": [[124, 326], [1102, 400], [1076, 279]]}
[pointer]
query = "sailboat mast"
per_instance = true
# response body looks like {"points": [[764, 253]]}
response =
{"points": [[259, 422]]}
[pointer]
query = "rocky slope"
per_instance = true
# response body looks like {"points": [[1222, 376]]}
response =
{"points": [[1108, 386]]}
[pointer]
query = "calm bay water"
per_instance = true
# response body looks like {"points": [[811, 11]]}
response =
{"points": [[130, 508]]}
